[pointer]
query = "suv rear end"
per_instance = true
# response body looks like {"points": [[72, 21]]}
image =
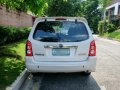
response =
{"points": [[60, 44]]}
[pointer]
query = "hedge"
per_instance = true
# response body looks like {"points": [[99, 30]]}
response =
{"points": [[9, 34], [106, 26]]}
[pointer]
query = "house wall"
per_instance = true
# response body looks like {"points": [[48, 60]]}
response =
{"points": [[116, 6], [114, 1], [13, 18]]}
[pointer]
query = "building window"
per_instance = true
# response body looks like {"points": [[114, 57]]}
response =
{"points": [[112, 10], [119, 10]]}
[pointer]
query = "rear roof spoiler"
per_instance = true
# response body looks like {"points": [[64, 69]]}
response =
{"points": [[67, 18]]}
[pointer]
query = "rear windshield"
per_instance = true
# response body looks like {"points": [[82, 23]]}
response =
{"points": [[60, 31]]}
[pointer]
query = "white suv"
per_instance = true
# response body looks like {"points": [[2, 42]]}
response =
{"points": [[61, 44]]}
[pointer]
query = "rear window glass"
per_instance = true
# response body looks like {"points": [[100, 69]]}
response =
{"points": [[60, 31]]}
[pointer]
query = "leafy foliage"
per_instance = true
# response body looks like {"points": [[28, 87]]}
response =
{"points": [[91, 13], [35, 6], [111, 27], [105, 26], [63, 8], [104, 3], [100, 27], [9, 34]]}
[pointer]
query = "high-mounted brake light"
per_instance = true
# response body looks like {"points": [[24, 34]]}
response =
{"points": [[29, 49], [92, 50], [60, 19]]}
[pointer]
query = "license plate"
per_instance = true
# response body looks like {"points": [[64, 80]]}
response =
{"points": [[60, 51]]}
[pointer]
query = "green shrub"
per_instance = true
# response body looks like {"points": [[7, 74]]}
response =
{"points": [[111, 27], [100, 27], [118, 27], [10, 34], [106, 26]]}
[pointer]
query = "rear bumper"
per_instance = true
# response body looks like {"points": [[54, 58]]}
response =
{"points": [[87, 65]]}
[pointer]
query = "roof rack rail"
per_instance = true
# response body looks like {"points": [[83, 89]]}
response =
{"points": [[78, 18]]}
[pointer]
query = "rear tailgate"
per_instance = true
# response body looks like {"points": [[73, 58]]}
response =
{"points": [[79, 51]]}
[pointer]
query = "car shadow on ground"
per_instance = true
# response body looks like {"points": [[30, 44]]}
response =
{"points": [[67, 81]]}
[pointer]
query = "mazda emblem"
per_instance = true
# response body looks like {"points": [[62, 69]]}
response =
{"points": [[60, 45]]}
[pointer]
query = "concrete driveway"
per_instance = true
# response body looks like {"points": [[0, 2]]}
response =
{"points": [[106, 77]]}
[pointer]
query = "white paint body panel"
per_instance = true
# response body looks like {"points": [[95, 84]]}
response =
{"points": [[87, 65]]}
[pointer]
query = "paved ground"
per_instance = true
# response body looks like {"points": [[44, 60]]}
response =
{"points": [[108, 64], [106, 77]]}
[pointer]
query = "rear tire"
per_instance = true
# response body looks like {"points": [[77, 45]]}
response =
{"points": [[87, 73]]}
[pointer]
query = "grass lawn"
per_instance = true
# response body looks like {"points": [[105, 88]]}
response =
{"points": [[11, 62], [115, 35]]}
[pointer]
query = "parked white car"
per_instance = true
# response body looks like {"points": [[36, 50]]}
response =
{"points": [[61, 44]]}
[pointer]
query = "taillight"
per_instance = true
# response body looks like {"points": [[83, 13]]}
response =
{"points": [[92, 50], [29, 49]]}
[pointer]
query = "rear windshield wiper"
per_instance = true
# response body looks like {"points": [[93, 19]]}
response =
{"points": [[48, 39]]}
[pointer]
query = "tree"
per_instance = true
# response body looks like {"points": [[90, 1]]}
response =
{"points": [[91, 13], [104, 3], [63, 8], [35, 6]]}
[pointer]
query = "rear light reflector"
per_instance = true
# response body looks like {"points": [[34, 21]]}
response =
{"points": [[29, 49], [92, 50]]}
